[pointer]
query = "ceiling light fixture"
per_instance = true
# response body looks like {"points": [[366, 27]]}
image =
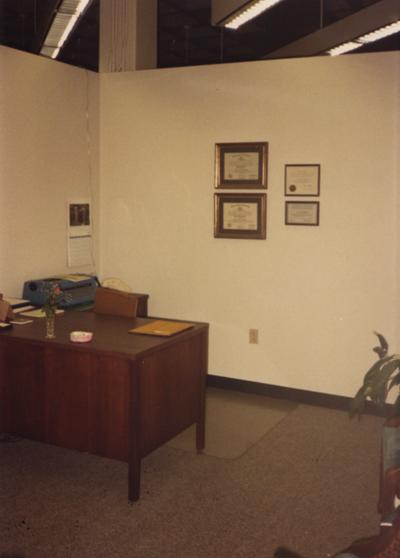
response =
{"points": [[247, 12], [63, 23], [345, 47], [371, 37], [381, 33]]}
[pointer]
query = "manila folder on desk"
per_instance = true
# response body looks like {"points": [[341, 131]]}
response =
{"points": [[162, 327]]}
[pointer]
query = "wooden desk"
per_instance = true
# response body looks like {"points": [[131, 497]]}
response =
{"points": [[120, 396]]}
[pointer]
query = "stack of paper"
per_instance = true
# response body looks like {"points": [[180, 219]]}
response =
{"points": [[38, 313]]}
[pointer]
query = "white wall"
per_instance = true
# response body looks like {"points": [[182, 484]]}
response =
{"points": [[315, 293], [48, 154]]}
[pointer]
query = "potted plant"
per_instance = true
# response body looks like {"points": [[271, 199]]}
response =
{"points": [[379, 381], [381, 378]]}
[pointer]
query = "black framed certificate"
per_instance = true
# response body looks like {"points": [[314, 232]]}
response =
{"points": [[241, 165], [302, 180], [301, 213], [240, 216]]}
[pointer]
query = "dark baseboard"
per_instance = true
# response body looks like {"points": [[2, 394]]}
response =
{"points": [[306, 397]]}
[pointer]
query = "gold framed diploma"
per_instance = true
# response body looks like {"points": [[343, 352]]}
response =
{"points": [[240, 216], [302, 180], [302, 213], [241, 165]]}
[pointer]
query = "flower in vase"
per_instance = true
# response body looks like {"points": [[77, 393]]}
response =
{"points": [[54, 296]]}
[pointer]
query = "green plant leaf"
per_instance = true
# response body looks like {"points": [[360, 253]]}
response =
{"points": [[378, 381], [395, 381], [358, 404], [375, 369], [384, 347]]}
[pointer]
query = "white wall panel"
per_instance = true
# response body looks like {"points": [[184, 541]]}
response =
{"points": [[48, 155], [315, 293]]}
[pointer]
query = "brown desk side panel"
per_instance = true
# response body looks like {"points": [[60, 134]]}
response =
{"points": [[22, 390], [171, 389]]}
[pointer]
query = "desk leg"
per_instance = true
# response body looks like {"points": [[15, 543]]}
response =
{"points": [[200, 436], [134, 457], [133, 481], [200, 425]]}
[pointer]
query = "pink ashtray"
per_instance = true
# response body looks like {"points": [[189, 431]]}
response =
{"points": [[81, 336]]}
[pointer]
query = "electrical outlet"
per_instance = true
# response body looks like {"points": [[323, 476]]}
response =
{"points": [[253, 336]]}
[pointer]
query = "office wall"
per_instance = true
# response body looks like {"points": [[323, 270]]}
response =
{"points": [[315, 294], [48, 154]]}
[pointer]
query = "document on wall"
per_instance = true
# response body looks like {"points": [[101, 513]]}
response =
{"points": [[241, 166], [79, 218], [80, 251], [79, 233]]}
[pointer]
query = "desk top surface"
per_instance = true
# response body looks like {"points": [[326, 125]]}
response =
{"points": [[110, 334]]}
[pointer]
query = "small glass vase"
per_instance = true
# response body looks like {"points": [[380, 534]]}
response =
{"points": [[50, 326]]}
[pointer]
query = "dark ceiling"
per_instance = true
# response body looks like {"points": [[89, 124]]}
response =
{"points": [[185, 34]]}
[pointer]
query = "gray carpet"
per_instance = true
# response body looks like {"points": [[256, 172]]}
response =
{"points": [[234, 422], [310, 483]]}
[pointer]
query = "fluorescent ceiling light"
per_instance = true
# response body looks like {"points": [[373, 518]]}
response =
{"points": [[50, 52], [380, 33], [345, 47], [248, 12], [63, 23], [371, 37]]}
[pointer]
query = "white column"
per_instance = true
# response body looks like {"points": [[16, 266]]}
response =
{"points": [[128, 35]]}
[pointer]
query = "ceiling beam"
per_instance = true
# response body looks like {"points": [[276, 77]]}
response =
{"points": [[362, 22], [221, 9]]}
